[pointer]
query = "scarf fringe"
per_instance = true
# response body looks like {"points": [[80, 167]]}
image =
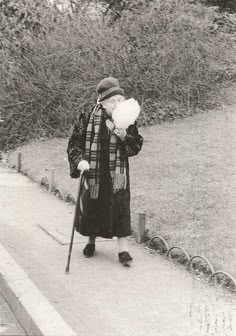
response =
{"points": [[119, 182], [94, 189]]}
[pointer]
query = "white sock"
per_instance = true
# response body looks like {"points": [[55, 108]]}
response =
{"points": [[123, 244]]}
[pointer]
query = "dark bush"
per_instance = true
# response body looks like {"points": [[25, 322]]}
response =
{"points": [[223, 5], [165, 56]]}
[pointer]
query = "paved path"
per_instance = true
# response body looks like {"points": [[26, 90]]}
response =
{"points": [[100, 297], [9, 326]]}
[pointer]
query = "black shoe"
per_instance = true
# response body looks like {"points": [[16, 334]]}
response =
{"points": [[89, 250], [125, 258]]}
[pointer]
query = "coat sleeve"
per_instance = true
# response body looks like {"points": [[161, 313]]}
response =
{"points": [[133, 141], [76, 145]]}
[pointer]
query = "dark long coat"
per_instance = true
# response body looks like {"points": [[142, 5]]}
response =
{"points": [[110, 213]]}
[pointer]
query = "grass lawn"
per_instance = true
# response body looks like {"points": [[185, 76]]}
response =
{"points": [[183, 179]]}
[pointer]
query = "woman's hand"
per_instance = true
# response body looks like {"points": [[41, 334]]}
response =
{"points": [[121, 133], [83, 165]]}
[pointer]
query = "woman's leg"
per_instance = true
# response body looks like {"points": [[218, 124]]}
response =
{"points": [[123, 244], [92, 240]]}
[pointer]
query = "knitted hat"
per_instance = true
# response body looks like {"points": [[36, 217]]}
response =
{"points": [[108, 87]]}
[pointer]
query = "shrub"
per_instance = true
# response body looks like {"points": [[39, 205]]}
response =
{"points": [[164, 55], [223, 5]]}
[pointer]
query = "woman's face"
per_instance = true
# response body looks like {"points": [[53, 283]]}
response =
{"points": [[111, 103]]}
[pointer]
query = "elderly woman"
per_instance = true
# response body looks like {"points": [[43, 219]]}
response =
{"points": [[100, 148]]}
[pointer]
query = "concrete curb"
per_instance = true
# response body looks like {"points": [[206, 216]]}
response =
{"points": [[34, 312]]}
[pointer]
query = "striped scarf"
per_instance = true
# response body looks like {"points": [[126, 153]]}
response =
{"points": [[117, 165]]}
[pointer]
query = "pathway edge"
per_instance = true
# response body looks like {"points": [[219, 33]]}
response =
{"points": [[32, 309]]}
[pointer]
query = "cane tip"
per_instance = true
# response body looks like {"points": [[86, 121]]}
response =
{"points": [[67, 271]]}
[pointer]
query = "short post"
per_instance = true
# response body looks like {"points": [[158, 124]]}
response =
{"points": [[18, 163], [141, 228], [52, 180]]}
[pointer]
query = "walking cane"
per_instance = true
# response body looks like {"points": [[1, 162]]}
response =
{"points": [[78, 211]]}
